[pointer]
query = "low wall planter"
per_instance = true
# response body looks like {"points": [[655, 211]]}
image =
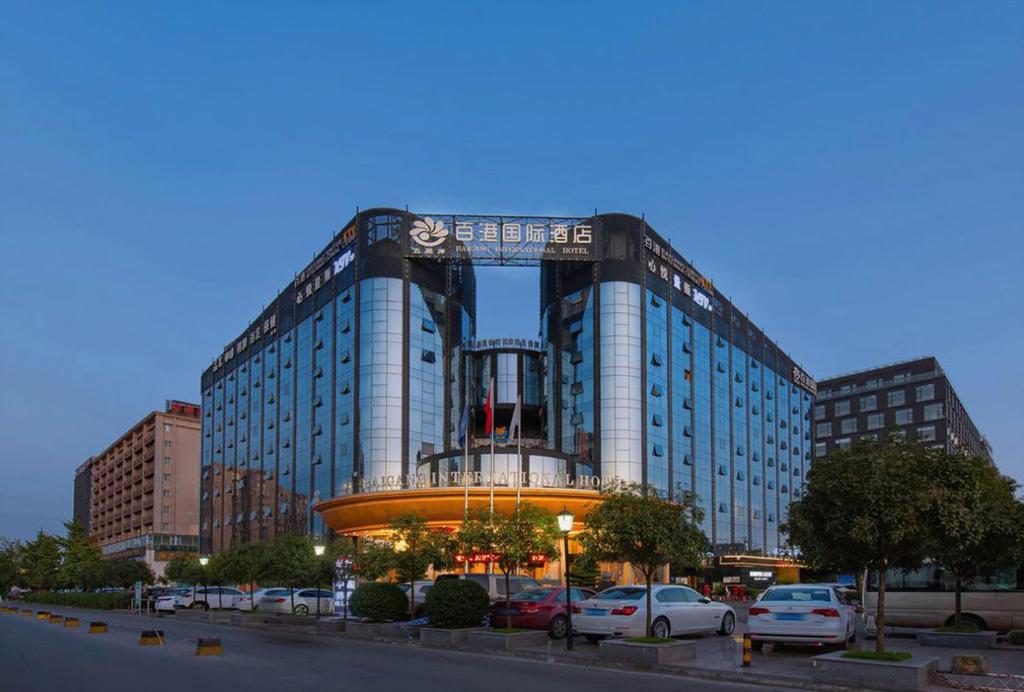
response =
{"points": [[363, 630], [491, 640], [638, 653], [913, 674], [438, 638], [958, 640]]}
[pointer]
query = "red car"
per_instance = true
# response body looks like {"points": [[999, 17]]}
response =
{"points": [[538, 609]]}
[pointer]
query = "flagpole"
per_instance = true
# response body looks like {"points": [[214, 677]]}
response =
{"points": [[493, 400], [465, 463], [519, 449]]}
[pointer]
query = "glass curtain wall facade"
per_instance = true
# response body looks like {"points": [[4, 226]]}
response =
{"points": [[341, 378], [691, 397]]}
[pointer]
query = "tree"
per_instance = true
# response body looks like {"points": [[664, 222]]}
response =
{"points": [[80, 557], [636, 525], [372, 558], [184, 568], [973, 518], [216, 569], [513, 540], [10, 564], [585, 571], [415, 547], [40, 562], [243, 564], [290, 561], [863, 509], [124, 573]]}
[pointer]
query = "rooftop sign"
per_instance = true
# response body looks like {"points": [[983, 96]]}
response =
{"points": [[500, 239]]}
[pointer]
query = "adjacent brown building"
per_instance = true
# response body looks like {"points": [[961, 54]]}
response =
{"points": [[914, 397], [144, 488]]}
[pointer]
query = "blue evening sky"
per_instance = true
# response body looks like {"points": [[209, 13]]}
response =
{"points": [[849, 173]]}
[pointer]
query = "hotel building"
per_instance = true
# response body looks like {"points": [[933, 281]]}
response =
{"points": [[340, 404]]}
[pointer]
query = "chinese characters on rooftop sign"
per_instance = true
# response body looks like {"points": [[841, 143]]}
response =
{"points": [[802, 379], [500, 239], [664, 263]]}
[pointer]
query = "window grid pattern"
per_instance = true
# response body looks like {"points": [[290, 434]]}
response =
{"points": [[657, 393], [621, 431]]}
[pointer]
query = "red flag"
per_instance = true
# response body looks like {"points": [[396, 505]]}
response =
{"points": [[489, 409]]}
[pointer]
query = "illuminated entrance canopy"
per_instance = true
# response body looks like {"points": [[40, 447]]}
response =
{"points": [[500, 240]]}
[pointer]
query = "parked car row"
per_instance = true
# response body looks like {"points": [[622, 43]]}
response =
{"points": [[273, 600], [818, 614]]}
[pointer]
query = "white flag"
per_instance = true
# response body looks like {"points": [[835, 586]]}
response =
{"points": [[514, 427]]}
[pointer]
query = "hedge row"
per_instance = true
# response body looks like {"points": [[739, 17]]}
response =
{"points": [[100, 601]]}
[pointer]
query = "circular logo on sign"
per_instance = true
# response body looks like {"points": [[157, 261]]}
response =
{"points": [[428, 233]]}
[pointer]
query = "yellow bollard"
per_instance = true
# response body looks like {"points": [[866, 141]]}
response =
{"points": [[747, 646], [71, 622], [209, 646], [97, 628], [56, 619], [151, 638], [26, 613], [43, 615]]}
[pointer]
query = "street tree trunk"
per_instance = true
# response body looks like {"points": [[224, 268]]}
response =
{"points": [[880, 617], [508, 602], [648, 579], [412, 600], [957, 604]]}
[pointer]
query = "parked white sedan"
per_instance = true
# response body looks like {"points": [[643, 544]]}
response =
{"points": [[280, 601], [202, 598], [801, 614], [621, 611], [251, 599]]}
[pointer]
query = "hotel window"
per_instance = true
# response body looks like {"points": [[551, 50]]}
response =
{"points": [[167, 427], [819, 412], [897, 397], [868, 403], [167, 476], [905, 416], [933, 411], [167, 443], [876, 421], [925, 392], [843, 443], [820, 448], [848, 425], [167, 460], [926, 433], [823, 430], [842, 408]]}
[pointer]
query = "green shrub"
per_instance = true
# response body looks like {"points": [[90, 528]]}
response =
{"points": [[875, 656], [99, 601], [379, 601], [1017, 637], [454, 603]]}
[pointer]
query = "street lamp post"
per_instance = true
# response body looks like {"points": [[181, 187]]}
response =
{"points": [[203, 562], [565, 526], [318, 550]]}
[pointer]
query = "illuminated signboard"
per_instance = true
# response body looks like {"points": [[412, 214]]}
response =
{"points": [[802, 379], [500, 239]]}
